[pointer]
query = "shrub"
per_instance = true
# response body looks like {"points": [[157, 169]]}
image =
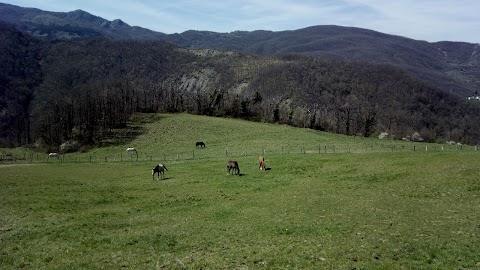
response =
{"points": [[69, 146]]}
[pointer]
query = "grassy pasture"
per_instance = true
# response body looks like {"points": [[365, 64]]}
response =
{"points": [[173, 137], [385, 210]]}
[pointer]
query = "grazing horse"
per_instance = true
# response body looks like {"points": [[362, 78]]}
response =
{"points": [[53, 155], [132, 150], [261, 163], [159, 169], [233, 165], [201, 144]]}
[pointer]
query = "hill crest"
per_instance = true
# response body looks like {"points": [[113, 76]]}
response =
{"points": [[73, 24]]}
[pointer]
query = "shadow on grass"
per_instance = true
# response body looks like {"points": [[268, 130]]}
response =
{"points": [[242, 174], [133, 129]]}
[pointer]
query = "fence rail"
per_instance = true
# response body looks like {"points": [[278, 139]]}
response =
{"points": [[208, 153]]}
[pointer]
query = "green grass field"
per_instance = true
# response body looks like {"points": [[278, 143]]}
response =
{"points": [[359, 210]]}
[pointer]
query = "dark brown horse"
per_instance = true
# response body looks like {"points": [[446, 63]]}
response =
{"points": [[159, 169], [201, 144], [233, 165], [261, 163]]}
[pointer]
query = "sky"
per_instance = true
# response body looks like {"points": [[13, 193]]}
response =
{"points": [[430, 20]]}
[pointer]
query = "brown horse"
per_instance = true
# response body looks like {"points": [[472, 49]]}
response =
{"points": [[233, 165], [261, 163], [159, 169]]}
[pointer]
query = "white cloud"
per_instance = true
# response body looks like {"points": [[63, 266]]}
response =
{"points": [[433, 20]]}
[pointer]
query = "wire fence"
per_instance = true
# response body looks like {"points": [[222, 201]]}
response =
{"points": [[228, 153]]}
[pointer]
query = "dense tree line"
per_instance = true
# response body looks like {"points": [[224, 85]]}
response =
{"points": [[20, 76], [364, 99], [61, 91]]}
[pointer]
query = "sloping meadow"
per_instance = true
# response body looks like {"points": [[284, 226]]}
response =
{"points": [[358, 209]]}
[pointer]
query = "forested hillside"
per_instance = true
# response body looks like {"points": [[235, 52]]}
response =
{"points": [[81, 90], [453, 67], [450, 66], [20, 77]]}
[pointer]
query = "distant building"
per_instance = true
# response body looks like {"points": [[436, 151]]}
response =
{"points": [[475, 96]]}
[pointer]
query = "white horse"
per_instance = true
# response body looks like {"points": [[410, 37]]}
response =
{"points": [[131, 150], [159, 169], [53, 155]]}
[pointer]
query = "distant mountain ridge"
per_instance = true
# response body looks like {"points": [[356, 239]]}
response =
{"points": [[453, 67], [73, 24]]}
